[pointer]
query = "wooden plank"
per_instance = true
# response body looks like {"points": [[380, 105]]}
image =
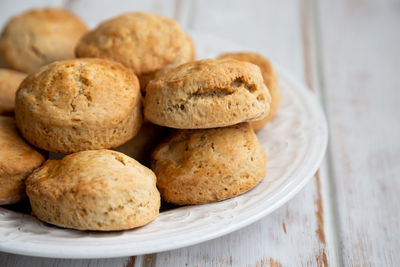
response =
{"points": [[17, 260], [291, 236], [360, 51], [294, 235], [94, 12]]}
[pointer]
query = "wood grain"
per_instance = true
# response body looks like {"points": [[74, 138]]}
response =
{"points": [[360, 51], [95, 11], [348, 52], [294, 235]]}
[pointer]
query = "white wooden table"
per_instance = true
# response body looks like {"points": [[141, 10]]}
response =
{"points": [[348, 52]]}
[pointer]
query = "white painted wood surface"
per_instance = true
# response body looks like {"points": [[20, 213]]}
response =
{"points": [[361, 57], [346, 51]]}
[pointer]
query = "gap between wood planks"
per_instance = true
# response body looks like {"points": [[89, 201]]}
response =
{"points": [[313, 81], [326, 189]]}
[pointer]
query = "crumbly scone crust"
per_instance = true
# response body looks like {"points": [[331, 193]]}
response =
{"points": [[143, 42], [38, 37], [208, 165], [79, 104], [270, 79], [146, 78], [17, 160], [9, 82], [75, 193], [207, 93]]}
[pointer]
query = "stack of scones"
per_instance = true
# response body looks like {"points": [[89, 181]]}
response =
{"points": [[132, 85]]}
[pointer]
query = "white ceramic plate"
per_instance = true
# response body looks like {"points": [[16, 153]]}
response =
{"points": [[295, 142]]}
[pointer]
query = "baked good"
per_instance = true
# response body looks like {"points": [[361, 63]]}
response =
{"points": [[75, 192], [270, 79], [208, 165], [142, 145], [38, 37], [143, 42], [207, 93], [9, 82], [79, 104], [17, 160]]}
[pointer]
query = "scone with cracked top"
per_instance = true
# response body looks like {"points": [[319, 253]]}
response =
{"points": [[17, 160], [270, 79], [75, 192], [207, 93], [79, 104], [144, 42], [208, 165], [38, 37], [9, 82]]}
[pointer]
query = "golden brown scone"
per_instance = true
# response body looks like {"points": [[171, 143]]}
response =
{"points": [[146, 78], [9, 82], [270, 80], [142, 145], [143, 42], [202, 166], [79, 104], [38, 37], [94, 190], [207, 93], [17, 160]]}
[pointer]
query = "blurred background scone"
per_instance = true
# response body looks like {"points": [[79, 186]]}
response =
{"points": [[9, 82], [143, 42], [94, 190], [142, 145], [270, 79], [79, 104], [202, 166], [38, 37], [17, 160], [207, 93]]}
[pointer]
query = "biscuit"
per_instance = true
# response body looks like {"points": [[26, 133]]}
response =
{"points": [[270, 80], [207, 93], [146, 78], [9, 82], [208, 165], [38, 37], [79, 104], [142, 145], [17, 160], [143, 42], [75, 192]]}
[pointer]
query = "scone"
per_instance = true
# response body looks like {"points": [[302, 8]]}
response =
{"points": [[38, 37], [79, 104], [142, 145], [207, 93], [9, 82], [202, 166], [270, 80], [99, 190], [17, 160], [143, 42]]}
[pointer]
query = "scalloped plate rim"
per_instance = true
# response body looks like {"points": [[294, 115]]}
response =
{"points": [[281, 197]]}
